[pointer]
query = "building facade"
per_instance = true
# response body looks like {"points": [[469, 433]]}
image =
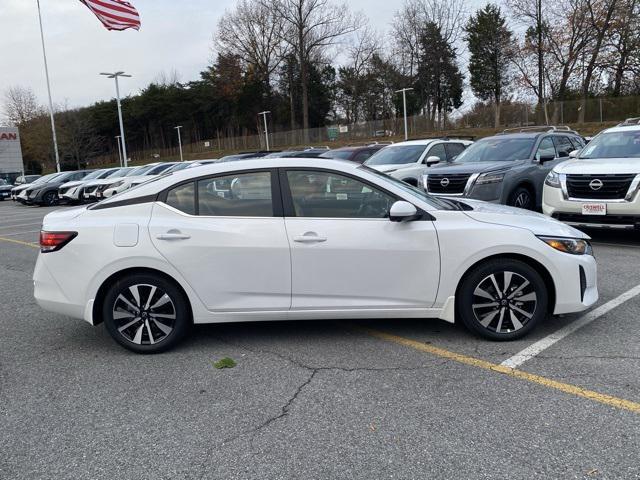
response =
{"points": [[11, 165]]}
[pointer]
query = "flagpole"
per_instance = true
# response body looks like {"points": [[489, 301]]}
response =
{"points": [[46, 71]]}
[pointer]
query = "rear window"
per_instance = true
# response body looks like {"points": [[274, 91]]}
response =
{"points": [[236, 195]]}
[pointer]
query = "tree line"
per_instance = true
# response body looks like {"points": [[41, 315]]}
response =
{"points": [[313, 63]]}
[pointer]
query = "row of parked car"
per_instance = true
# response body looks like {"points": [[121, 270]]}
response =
{"points": [[548, 168]]}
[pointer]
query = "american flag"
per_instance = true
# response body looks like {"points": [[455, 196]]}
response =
{"points": [[114, 14]]}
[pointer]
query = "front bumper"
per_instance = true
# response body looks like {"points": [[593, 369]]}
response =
{"points": [[621, 214], [576, 284]]}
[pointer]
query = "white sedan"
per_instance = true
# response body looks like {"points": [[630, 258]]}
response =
{"points": [[292, 239]]}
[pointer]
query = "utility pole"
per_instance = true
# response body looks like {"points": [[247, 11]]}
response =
{"points": [[115, 76], [179, 141], [404, 105], [266, 130], [46, 72], [119, 149]]}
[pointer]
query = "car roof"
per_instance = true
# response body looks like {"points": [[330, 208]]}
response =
{"points": [[427, 141]]}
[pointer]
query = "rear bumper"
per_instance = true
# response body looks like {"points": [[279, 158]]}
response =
{"points": [[50, 296]]}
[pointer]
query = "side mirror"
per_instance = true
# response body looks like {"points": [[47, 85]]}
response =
{"points": [[432, 160], [402, 211], [574, 154], [546, 158]]}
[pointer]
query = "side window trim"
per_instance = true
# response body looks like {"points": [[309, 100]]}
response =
{"points": [[287, 198]]}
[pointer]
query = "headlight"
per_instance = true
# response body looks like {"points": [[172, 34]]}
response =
{"points": [[425, 181], [117, 184], [553, 179], [574, 246], [487, 178]]}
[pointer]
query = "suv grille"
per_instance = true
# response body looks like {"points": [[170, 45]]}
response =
{"points": [[599, 187], [451, 184]]}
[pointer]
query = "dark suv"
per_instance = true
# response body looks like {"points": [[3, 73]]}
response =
{"points": [[46, 194], [508, 168]]}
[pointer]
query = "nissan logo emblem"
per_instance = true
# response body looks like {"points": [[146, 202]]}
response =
{"points": [[444, 182], [595, 184]]}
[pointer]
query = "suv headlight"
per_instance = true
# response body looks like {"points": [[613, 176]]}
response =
{"points": [[490, 177], [574, 246], [117, 184], [553, 179], [425, 182]]}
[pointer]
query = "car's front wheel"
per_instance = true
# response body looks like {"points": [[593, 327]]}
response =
{"points": [[146, 313], [502, 299], [522, 197], [49, 199]]}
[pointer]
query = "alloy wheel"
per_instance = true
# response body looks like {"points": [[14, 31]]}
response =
{"points": [[504, 302], [523, 200], [144, 314]]}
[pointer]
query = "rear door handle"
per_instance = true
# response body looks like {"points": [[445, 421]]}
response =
{"points": [[309, 238], [173, 236]]}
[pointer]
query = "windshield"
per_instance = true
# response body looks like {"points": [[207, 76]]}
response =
{"points": [[94, 174], [342, 154], [496, 149], [613, 145], [397, 155], [438, 203], [159, 168], [179, 166], [121, 172], [139, 171]]}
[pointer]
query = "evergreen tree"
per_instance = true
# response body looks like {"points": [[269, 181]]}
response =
{"points": [[490, 45], [439, 79]]}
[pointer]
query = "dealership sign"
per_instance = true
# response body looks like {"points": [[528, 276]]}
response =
{"points": [[8, 136], [10, 151]]}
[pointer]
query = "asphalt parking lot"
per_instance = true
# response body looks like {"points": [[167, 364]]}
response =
{"points": [[401, 399]]}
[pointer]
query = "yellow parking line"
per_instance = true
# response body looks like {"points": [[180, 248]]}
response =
{"points": [[512, 372], [19, 242]]}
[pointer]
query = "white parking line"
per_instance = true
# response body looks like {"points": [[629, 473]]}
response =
{"points": [[544, 343]]}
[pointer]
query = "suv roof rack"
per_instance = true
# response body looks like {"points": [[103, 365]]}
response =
{"points": [[447, 137], [321, 147], [630, 121], [543, 128]]}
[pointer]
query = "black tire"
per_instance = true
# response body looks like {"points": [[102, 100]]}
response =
{"points": [[478, 293], [49, 199], [522, 197], [153, 331]]}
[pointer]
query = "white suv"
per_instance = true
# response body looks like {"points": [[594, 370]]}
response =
{"points": [[600, 185], [407, 161]]}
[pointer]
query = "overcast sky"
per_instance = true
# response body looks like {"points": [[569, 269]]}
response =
{"points": [[174, 35]]}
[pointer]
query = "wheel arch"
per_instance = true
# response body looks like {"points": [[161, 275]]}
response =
{"points": [[104, 287], [526, 183], [533, 263]]}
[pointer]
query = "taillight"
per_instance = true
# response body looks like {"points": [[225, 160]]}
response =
{"points": [[53, 241]]}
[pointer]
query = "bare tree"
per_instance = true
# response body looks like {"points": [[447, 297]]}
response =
{"points": [[600, 16], [253, 31], [167, 79], [311, 27], [20, 105], [409, 22], [623, 44]]}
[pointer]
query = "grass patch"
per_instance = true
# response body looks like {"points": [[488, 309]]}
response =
{"points": [[225, 362]]}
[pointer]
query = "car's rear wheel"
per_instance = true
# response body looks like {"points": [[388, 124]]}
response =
{"points": [[146, 313], [49, 199], [522, 197], [502, 299]]}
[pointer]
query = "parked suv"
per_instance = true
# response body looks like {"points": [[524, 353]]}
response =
{"points": [[407, 161], [358, 154], [600, 185], [508, 168], [46, 194]]}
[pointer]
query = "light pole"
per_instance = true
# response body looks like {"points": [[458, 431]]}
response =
{"points": [[404, 105], [266, 131], [179, 141], [119, 149], [115, 76]]}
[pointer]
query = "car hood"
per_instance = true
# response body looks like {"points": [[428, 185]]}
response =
{"points": [[599, 166], [472, 167], [537, 223], [104, 181], [392, 167], [6, 187], [20, 188], [75, 183]]}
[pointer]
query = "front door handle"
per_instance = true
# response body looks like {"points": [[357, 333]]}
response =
{"points": [[171, 235], [309, 237]]}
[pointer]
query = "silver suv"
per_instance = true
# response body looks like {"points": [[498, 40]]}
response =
{"points": [[408, 161], [508, 168]]}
